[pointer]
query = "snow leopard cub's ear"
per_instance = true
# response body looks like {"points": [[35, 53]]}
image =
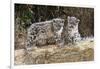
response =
{"points": [[78, 21], [54, 20], [68, 18]]}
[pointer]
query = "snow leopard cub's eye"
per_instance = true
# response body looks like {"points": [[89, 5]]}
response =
{"points": [[42, 31]]}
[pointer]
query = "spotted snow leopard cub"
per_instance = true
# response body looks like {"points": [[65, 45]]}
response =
{"points": [[72, 34], [44, 33]]}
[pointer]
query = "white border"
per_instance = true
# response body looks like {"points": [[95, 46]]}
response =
{"points": [[79, 3], [48, 2], [12, 35]]}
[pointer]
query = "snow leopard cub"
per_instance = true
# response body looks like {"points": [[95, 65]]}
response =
{"points": [[72, 34]]}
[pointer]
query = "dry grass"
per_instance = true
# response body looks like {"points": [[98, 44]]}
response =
{"points": [[82, 51]]}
